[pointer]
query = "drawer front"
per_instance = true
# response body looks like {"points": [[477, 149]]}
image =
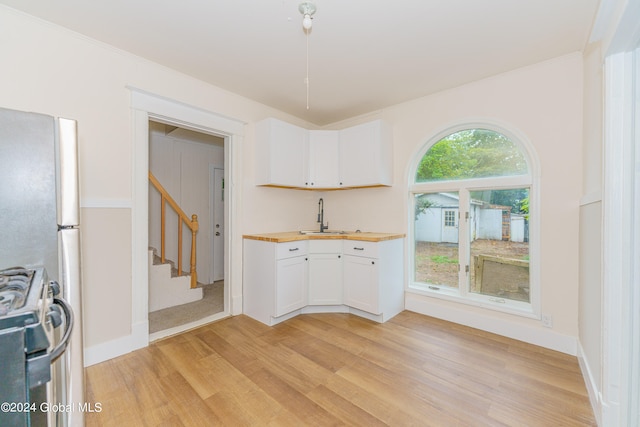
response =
{"points": [[359, 248], [325, 246], [291, 249]]}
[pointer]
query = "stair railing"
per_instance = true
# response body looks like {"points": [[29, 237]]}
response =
{"points": [[182, 217]]}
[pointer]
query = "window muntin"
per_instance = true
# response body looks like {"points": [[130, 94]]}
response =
{"points": [[450, 218], [488, 177]]}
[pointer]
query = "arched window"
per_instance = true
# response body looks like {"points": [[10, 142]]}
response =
{"points": [[472, 228]]}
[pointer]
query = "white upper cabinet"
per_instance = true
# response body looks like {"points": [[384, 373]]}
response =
{"points": [[324, 162], [282, 152], [290, 156], [366, 155]]}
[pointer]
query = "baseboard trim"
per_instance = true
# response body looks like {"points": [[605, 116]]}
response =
{"points": [[592, 387], [139, 338], [546, 338], [236, 305]]}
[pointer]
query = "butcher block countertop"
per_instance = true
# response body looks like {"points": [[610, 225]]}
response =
{"points": [[291, 236]]}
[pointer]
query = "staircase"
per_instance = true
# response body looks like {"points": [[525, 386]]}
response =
{"points": [[167, 289]]}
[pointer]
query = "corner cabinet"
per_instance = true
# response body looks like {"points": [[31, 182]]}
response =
{"points": [[275, 279], [325, 272], [293, 157], [282, 280], [324, 149]]}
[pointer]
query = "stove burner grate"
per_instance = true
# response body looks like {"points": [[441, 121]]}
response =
{"points": [[14, 287]]}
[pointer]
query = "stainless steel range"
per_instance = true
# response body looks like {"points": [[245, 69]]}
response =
{"points": [[41, 351], [35, 327]]}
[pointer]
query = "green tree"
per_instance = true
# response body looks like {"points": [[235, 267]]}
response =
{"points": [[422, 204], [472, 153], [524, 206]]}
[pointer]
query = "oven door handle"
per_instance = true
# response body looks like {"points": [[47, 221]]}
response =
{"points": [[64, 341]]}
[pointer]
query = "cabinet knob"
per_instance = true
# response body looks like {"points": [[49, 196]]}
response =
{"points": [[373, 262]]}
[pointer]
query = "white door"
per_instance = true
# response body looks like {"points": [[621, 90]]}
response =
{"points": [[291, 284], [360, 281], [325, 279], [217, 223], [450, 225]]}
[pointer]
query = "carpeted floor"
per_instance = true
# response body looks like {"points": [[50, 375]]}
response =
{"points": [[212, 302]]}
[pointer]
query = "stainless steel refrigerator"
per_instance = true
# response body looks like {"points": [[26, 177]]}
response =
{"points": [[39, 226]]}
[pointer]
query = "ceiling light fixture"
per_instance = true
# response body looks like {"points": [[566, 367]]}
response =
{"points": [[307, 9]]}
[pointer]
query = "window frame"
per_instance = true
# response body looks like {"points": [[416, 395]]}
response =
{"points": [[464, 187]]}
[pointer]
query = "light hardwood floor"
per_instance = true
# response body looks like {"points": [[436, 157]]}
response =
{"points": [[339, 369]]}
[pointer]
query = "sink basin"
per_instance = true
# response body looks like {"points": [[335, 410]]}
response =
{"points": [[323, 233]]}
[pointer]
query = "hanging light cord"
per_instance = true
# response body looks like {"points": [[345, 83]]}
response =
{"points": [[306, 80], [307, 9]]}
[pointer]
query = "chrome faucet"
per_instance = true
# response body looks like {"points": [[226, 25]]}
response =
{"points": [[321, 215]]}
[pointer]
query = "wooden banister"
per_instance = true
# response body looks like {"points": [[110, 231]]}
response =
{"points": [[192, 223]]}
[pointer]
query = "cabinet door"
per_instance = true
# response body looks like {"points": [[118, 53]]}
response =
{"points": [[291, 284], [366, 155], [324, 152], [325, 279], [281, 154], [360, 281]]}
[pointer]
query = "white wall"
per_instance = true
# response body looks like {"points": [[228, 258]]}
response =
{"points": [[428, 226], [88, 81], [489, 224]]}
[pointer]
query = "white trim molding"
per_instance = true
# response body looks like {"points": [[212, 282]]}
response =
{"points": [[106, 203], [621, 191], [539, 336], [114, 348], [593, 197], [595, 398]]}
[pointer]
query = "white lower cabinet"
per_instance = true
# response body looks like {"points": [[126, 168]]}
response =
{"points": [[275, 279], [325, 272], [373, 276], [291, 284], [281, 280], [361, 283]]}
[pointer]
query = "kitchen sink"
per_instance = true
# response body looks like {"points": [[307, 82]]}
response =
{"points": [[323, 233]]}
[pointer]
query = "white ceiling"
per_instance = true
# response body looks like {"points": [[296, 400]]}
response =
{"points": [[364, 55]]}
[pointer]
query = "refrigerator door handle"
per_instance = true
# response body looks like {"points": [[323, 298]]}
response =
{"points": [[67, 179]]}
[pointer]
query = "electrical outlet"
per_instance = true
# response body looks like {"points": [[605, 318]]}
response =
{"points": [[547, 320]]}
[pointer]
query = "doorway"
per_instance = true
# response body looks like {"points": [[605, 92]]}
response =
{"points": [[148, 106], [189, 165]]}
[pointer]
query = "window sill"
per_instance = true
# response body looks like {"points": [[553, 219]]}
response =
{"points": [[516, 308]]}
